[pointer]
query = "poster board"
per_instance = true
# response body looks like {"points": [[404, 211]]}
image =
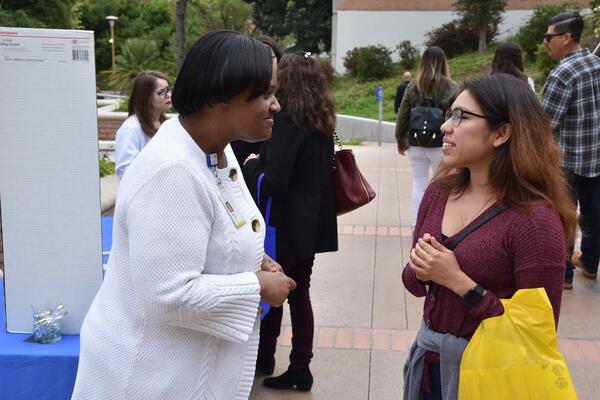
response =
{"points": [[49, 178]]}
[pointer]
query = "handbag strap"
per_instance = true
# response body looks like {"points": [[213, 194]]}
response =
{"points": [[269, 200], [484, 218]]}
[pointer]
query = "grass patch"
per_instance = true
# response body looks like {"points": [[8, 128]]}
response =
{"points": [[352, 142], [357, 98]]}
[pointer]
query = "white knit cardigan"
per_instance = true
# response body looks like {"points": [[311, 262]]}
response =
{"points": [[176, 316]]}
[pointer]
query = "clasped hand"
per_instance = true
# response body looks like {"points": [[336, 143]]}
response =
{"points": [[274, 284], [432, 261]]}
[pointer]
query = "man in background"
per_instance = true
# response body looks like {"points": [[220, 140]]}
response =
{"points": [[401, 89], [571, 98]]}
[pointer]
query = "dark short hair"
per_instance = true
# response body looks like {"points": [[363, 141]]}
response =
{"points": [[268, 40], [569, 21], [219, 66]]}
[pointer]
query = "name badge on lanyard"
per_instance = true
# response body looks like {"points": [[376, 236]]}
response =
{"points": [[224, 195]]}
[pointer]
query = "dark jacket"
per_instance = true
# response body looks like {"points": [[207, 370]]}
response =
{"points": [[298, 166], [399, 94], [444, 95]]}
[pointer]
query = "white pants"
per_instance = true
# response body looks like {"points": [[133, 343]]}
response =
{"points": [[421, 159]]}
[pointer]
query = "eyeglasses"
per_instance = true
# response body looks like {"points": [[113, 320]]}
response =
{"points": [[456, 116], [548, 36], [165, 92]]}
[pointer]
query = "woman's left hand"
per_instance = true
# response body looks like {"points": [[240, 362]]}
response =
{"points": [[432, 261], [268, 264]]}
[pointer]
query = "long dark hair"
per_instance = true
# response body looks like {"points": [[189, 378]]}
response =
{"points": [[303, 90], [508, 59], [433, 69], [143, 89], [527, 166]]}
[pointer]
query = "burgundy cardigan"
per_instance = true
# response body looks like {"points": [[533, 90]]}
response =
{"points": [[516, 249]]}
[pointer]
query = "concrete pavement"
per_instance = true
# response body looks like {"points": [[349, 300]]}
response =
{"points": [[365, 319]]}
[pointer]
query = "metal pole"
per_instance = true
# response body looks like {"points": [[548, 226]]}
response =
{"points": [[112, 43], [380, 124], [596, 49]]}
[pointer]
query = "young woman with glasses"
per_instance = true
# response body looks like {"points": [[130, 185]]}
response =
{"points": [[150, 98], [499, 151], [432, 87]]}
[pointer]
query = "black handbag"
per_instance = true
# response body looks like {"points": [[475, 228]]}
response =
{"points": [[424, 124]]}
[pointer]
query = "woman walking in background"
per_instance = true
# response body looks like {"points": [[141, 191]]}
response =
{"points": [[433, 87], [150, 98], [298, 174], [499, 155], [508, 59]]}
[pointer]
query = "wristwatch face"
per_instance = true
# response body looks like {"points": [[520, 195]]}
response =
{"points": [[473, 296]]}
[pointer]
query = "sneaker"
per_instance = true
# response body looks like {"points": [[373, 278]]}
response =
{"points": [[567, 285], [576, 260]]}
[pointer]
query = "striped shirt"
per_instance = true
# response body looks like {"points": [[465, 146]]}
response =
{"points": [[572, 100]]}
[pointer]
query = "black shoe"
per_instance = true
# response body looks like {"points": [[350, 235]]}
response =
{"points": [[265, 366], [300, 379]]}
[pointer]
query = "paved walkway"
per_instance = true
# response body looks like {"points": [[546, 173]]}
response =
{"points": [[365, 320]]}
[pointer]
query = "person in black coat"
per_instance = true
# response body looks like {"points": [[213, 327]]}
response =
{"points": [[297, 162], [401, 89]]}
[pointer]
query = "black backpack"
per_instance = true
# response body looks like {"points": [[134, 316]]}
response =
{"points": [[425, 122]]}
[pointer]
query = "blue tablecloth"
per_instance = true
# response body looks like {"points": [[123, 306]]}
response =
{"points": [[31, 371]]}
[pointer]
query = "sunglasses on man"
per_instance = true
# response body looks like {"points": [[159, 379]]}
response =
{"points": [[548, 36]]}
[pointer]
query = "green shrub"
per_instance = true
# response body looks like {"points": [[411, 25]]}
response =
{"points": [[107, 167], [531, 35], [351, 61], [374, 62], [409, 55], [544, 64], [456, 37]]}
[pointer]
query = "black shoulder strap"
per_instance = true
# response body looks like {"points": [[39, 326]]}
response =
{"points": [[484, 218]]}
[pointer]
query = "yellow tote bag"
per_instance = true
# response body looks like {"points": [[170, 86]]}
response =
{"points": [[515, 356]]}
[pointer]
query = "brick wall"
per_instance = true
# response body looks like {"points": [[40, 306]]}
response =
{"points": [[436, 5], [109, 123]]}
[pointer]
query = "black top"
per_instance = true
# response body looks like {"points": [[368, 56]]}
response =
{"points": [[298, 166], [399, 94], [243, 149]]}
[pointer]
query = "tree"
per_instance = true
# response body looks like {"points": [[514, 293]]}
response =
{"points": [[531, 34], [481, 15], [180, 34], [309, 21], [57, 14], [144, 19]]}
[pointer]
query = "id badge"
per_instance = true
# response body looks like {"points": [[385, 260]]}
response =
{"points": [[231, 208]]}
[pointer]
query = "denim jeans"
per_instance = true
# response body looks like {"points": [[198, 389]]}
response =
{"points": [[586, 192], [301, 314]]}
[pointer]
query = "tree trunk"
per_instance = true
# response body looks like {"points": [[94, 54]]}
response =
{"points": [[482, 44], [180, 34]]}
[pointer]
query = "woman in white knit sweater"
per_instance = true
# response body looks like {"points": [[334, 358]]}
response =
{"points": [[177, 314]]}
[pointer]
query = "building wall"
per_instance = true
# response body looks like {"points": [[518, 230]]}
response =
{"points": [[435, 5], [389, 28], [358, 23]]}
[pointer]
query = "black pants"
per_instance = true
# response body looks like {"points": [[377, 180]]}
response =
{"points": [[301, 314], [435, 382], [586, 192]]}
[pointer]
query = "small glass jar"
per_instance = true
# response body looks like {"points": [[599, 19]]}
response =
{"points": [[46, 324]]}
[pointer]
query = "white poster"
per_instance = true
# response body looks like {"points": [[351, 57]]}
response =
{"points": [[49, 179]]}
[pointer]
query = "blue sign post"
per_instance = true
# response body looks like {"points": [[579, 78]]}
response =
{"points": [[379, 98]]}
